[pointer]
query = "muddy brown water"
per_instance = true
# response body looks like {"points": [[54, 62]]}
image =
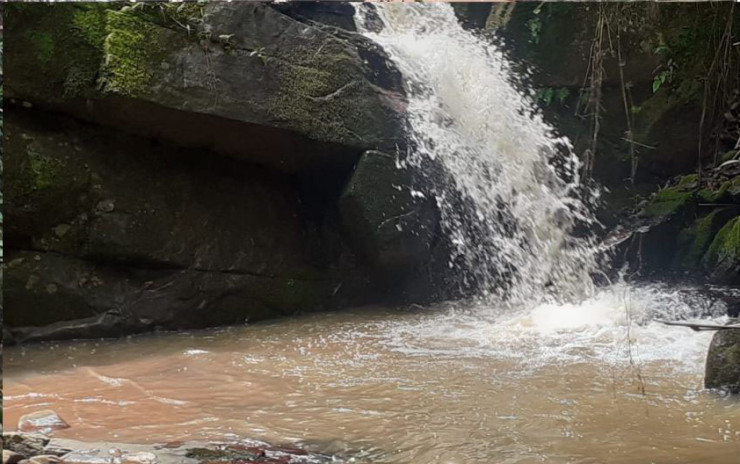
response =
{"points": [[382, 386]]}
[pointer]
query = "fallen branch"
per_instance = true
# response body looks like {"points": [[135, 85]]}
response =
{"points": [[697, 326]]}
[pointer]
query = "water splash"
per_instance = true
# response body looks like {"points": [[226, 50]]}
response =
{"points": [[511, 195], [617, 324]]}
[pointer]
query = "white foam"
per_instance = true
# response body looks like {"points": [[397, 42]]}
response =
{"points": [[619, 325]]}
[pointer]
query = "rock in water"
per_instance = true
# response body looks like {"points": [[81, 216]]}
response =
{"points": [[723, 362], [389, 223], [45, 422]]}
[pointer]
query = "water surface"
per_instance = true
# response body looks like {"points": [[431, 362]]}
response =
{"points": [[596, 382]]}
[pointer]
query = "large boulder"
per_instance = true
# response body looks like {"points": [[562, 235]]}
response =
{"points": [[722, 259], [392, 228], [723, 361], [168, 70], [124, 234]]}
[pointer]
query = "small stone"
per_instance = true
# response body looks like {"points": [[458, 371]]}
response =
{"points": [[51, 288], [61, 230], [45, 459], [139, 458], [11, 457], [45, 422], [105, 206]]}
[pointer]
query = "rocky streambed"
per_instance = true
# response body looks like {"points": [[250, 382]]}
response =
{"points": [[33, 448]]}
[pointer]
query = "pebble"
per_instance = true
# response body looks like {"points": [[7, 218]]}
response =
{"points": [[139, 458]]}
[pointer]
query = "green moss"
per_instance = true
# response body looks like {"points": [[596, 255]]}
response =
{"points": [[129, 48], [693, 241], [324, 93], [733, 187], [90, 25], [651, 112], [43, 45], [725, 248], [688, 181], [43, 170], [709, 195], [46, 43], [727, 156], [667, 202]]}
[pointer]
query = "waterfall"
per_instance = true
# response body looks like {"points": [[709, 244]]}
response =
{"points": [[511, 194]]}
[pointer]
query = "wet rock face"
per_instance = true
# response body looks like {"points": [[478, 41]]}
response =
{"points": [[154, 236], [690, 228], [246, 62], [723, 362], [185, 166], [393, 227]]}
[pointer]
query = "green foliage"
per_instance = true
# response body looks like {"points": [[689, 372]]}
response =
{"points": [[548, 95], [534, 26], [664, 76]]}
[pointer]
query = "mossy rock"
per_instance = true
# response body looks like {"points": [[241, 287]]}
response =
{"points": [[667, 202], [693, 241], [723, 362], [722, 259], [53, 52], [272, 70]]}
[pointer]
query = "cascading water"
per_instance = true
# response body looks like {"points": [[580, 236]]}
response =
{"points": [[512, 194], [546, 381]]}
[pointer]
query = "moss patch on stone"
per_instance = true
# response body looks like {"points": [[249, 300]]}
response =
{"points": [[667, 202], [43, 43], [48, 43], [714, 195], [724, 252], [129, 48], [43, 170], [694, 240]]}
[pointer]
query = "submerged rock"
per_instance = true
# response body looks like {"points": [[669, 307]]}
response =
{"points": [[723, 362], [45, 422]]}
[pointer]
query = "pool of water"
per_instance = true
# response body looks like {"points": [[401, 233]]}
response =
{"points": [[597, 382]]}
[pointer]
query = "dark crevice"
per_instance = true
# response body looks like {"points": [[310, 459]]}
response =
{"points": [[154, 266]]}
